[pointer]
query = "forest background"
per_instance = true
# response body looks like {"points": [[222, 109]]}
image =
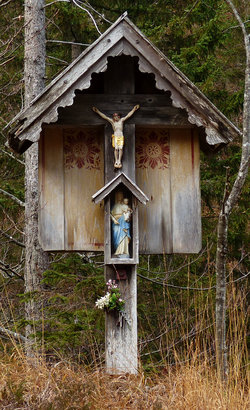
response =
{"points": [[176, 293]]}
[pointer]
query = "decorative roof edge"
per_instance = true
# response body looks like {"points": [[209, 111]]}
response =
{"points": [[115, 41]]}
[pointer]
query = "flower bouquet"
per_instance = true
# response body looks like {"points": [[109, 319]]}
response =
{"points": [[112, 300]]}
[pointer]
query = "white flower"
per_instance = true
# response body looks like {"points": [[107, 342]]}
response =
{"points": [[103, 301]]}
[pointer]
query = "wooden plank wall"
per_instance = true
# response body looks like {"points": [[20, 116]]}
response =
{"points": [[185, 191], [51, 188], [71, 171], [153, 177], [169, 223], [171, 220]]}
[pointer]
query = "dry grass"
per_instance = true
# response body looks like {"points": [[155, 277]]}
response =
{"points": [[64, 386], [182, 374]]}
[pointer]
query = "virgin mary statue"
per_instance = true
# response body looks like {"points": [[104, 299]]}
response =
{"points": [[120, 220]]}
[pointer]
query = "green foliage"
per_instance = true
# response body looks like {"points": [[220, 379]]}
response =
{"points": [[71, 288]]}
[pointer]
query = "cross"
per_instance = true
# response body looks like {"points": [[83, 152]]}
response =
{"points": [[120, 94]]}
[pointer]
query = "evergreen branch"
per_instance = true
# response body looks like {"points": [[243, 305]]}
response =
{"points": [[13, 197]]}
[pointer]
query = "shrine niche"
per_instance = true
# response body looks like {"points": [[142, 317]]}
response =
{"points": [[120, 132], [121, 196]]}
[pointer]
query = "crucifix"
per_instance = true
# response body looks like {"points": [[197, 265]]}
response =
{"points": [[117, 138]]}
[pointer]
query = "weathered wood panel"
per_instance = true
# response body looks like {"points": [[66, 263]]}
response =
{"points": [[51, 188], [121, 341], [156, 107], [83, 162], [185, 191], [153, 177], [170, 223], [70, 172], [167, 170]]}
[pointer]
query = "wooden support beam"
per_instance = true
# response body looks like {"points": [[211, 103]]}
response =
{"points": [[121, 341], [154, 110]]}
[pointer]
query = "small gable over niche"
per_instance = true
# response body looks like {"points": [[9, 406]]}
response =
{"points": [[163, 138]]}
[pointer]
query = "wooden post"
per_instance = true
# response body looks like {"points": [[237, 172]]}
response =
{"points": [[121, 341]]}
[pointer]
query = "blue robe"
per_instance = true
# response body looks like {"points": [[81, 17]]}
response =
{"points": [[118, 233]]}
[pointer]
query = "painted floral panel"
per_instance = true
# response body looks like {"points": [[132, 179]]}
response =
{"points": [[152, 148], [81, 149]]}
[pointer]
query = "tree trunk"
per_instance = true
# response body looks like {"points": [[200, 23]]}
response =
{"points": [[36, 261], [221, 347], [227, 207]]}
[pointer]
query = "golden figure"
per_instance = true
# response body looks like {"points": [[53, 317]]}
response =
{"points": [[117, 137]]}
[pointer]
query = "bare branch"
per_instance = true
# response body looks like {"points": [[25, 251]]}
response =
{"points": [[12, 239], [191, 9], [229, 202], [67, 42], [174, 286], [13, 197], [6, 268], [244, 165], [7, 61], [59, 60], [5, 4], [230, 28], [241, 24], [56, 1], [12, 156], [89, 14], [95, 11], [11, 334]]}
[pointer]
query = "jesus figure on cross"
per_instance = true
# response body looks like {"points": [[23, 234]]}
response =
{"points": [[117, 137]]}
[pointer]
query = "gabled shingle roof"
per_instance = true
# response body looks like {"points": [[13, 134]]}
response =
{"points": [[123, 37]]}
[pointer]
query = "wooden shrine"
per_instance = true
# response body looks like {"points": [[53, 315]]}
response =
{"points": [[159, 177], [122, 184]]}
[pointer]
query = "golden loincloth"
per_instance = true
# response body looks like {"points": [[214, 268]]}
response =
{"points": [[117, 141]]}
